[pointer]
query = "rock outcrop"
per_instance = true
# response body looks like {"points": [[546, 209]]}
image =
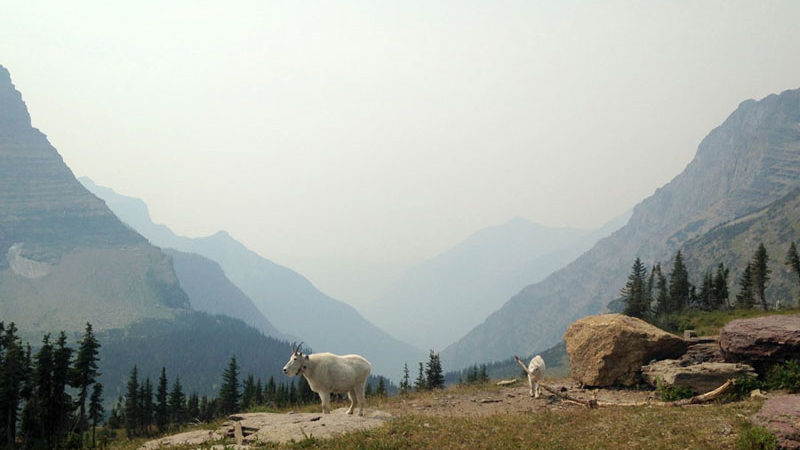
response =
{"points": [[700, 378], [781, 415], [761, 341], [610, 349]]}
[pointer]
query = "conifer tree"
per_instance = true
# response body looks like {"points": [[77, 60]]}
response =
{"points": [[148, 407], [61, 414], [229, 391], [193, 407], [637, 303], [304, 392], [368, 389], [433, 372], [405, 382], [14, 373], [679, 286], [745, 299], [96, 409], [661, 292], [177, 403], [721, 293], [132, 404], [420, 384], [793, 259], [706, 298], [249, 392], [260, 393], [483, 376], [204, 414], [270, 391], [760, 273], [162, 407], [85, 371], [380, 390]]}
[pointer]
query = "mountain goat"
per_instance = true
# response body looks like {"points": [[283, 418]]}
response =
{"points": [[327, 373], [535, 370]]}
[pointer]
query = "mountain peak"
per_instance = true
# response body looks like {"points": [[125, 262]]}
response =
{"points": [[13, 112]]}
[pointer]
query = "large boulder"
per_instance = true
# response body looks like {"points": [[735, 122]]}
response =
{"points": [[761, 341], [781, 416], [610, 349], [700, 378]]}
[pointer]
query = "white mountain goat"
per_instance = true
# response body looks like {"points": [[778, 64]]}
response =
{"points": [[535, 370], [327, 373]]}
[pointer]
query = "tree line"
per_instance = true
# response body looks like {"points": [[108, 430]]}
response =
{"points": [[145, 412], [51, 398], [653, 295], [430, 376]]}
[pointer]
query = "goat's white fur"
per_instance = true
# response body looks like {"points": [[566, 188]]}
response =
{"points": [[328, 373], [535, 371]]}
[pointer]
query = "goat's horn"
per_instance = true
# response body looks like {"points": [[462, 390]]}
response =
{"points": [[299, 347], [294, 348]]}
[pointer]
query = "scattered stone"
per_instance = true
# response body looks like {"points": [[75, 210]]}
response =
{"points": [[761, 341], [757, 394], [610, 349], [781, 415], [188, 438], [703, 349], [490, 400], [700, 378], [506, 382], [689, 334]]}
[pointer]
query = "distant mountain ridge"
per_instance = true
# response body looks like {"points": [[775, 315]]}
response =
{"points": [[474, 278], [748, 162], [285, 297], [65, 258]]}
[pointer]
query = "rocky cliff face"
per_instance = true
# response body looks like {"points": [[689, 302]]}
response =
{"points": [[65, 258], [748, 162]]}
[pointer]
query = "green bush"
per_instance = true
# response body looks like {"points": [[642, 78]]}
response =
{"points": [[753, 437], [744, 385], [784, 376], [672, 393]]}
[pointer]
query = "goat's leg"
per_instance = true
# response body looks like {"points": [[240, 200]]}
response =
{"points": [[537, 388], [352, 396], [360, 398], [530, 386], [326, 402]]}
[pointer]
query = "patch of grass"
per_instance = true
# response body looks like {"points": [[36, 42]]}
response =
{"points": [[707, 323], [752, 437], [671, 393], [710, 426]]}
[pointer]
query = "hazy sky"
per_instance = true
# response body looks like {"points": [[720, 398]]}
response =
{"points": [[346, 138]]}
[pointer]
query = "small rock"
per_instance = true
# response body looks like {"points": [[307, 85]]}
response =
{"points": [[314, 419], [757, 393], [689, 334], [490, 400]]}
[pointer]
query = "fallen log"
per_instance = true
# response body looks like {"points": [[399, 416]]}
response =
{"points": [[701, 398]]}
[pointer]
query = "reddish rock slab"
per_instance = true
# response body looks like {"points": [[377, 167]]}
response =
{"points": [[761, 341], [781, 415]]}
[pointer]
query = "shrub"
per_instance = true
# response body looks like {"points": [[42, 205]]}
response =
{"points": [[785, 375], [671, 393], [753, 437], [744, 385]]}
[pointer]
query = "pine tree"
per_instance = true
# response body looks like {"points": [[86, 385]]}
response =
{"points": [[304, 392], [162, 407], [760, 273], [679, 286], [405, 383], [637, 303], [85, 372], [260, 393], [368, 390], [721, 293], [132, 404], [61, 414], [177, 403], [204, 414], [229, 391], [249, 392], [745, 299], [148, 407], [793, 260], [380, 391], [193, 407], [433, 372], [96, 409], [661, 292], [420, 384], [706, 298], [483, 376], [13, 374], [270, 391]]}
